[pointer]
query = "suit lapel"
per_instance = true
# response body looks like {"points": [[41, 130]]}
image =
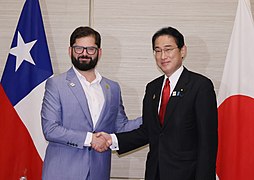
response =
{"points": [[78, 92], [156, 99], [107, 95], [177, 94]]}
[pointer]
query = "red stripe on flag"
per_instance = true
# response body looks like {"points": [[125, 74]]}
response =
{"points": [[235, 160], [21, 157]]}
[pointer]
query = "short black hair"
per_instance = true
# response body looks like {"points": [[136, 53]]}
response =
{"points": [[85, 31], [169, 31]]}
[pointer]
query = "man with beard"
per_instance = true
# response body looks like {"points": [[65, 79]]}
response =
{"points": [[76, 105]]}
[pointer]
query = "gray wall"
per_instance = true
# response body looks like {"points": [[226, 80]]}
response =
{"points": [[127, 28]]}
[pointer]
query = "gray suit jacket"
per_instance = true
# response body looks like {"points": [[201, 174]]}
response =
{"points": [[66, 120]]}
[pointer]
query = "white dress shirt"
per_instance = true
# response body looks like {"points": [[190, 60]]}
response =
{"points": [[95, 99]]}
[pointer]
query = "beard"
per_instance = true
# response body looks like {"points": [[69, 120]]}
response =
{"points": [[84, 66]]}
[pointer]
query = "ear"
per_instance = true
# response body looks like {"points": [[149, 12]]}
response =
{"points": [[183, 51], [69, 50], [99, 52]]}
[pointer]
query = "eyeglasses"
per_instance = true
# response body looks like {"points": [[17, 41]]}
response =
{"points": [[89, 50], [167, 51]]}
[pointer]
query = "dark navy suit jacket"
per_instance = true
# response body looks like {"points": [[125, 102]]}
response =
{"points": [[185, 147]]}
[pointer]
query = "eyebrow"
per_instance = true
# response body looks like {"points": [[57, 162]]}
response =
{"points": [[167, 45]]}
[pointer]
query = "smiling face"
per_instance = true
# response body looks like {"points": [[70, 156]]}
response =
{"points": [[167, 55], [86, 60]]}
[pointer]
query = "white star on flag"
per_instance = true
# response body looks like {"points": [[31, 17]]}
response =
{"points": [[22, 51]]}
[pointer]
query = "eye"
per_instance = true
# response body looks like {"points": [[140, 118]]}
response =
{"points": [[168, 49], [79, 48], [158, 50], [91, 50]]}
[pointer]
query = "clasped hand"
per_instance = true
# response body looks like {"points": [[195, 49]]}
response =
{"points": [[101, 141]]}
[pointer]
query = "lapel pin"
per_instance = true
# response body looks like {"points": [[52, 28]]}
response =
{"points": [[174, 93], [154, 96], [72, 84], [107, 86], [178, 93]]}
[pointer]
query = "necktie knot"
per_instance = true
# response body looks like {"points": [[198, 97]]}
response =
{"points": [[164, 100]]}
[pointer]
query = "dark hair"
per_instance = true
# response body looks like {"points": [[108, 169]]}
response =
{"points": [[169, 31], [85, 32]]}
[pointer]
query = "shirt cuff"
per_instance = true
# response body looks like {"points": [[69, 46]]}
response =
{"points": [[88, 140], [114, 146]]}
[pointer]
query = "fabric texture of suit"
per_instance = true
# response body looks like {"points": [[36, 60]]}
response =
{"points": [[66, 120], [185, 147]]}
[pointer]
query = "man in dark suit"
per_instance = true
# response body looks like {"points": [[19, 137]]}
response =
{"points": [[183, 143]]}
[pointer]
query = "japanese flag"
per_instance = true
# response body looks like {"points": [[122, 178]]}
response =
{"points": [[235, 160]]}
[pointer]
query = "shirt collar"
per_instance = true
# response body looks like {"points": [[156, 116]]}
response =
{"points": [[174, 77], [97, 80]]}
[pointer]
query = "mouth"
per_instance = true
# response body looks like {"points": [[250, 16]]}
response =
{"points": [[164, 63], [84, 59]]}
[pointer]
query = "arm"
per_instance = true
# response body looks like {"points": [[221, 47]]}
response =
{"points": [[126, 141], [129, 141], [207, 121], [52, 119]]}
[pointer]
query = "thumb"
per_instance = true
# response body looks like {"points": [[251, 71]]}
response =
{"points": [[99, 134]]}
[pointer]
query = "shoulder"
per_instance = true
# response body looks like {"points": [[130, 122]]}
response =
{"points": [[57, 77], [110, 82], [155, 82], [57, 81], [199, 79]]}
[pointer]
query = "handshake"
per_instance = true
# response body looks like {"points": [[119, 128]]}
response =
{"points": [[101, 141]]}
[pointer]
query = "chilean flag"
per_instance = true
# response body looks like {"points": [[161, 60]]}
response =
{"points": [[235, 159], [28, 65]]}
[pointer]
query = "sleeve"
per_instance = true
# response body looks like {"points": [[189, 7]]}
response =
{"points": [[88, 140], [131, 140], [114, 146], [207, 122]]}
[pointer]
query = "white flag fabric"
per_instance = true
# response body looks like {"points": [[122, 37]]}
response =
{"points": [[235, 159]]}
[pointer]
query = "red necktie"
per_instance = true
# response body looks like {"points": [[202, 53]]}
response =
{"points": [[164, 101]]}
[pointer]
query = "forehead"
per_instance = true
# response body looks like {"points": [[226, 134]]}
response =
{"points": [[164, 41], [85, 41]]}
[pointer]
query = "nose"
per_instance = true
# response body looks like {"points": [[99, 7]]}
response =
{"points": [[84, 52], [163, 54]]}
